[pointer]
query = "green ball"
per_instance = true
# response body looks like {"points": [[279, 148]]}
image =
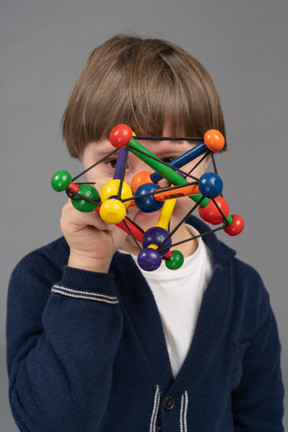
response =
{"points": [[176, 261], [83, 205], [61, 180]]}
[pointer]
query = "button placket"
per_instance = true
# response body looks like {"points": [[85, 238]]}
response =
{"points": [[169, 403]]}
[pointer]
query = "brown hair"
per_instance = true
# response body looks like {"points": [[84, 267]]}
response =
{"points": [[144, 83]]}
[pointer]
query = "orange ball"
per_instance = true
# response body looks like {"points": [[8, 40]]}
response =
{"points": [[214, 140], [139, 179]]}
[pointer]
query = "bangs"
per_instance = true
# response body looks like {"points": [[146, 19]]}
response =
{"points": [[148, 85]]}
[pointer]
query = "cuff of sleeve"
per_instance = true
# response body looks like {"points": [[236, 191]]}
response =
{"points": [[86, 285]]}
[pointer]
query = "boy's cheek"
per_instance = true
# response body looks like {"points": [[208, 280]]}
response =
{"points": [[199, 170], [184, 204], [181, 209], [99, 182], [164, 183]]}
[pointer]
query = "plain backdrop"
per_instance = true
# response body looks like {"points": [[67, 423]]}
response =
{"points": [[243, 44]]}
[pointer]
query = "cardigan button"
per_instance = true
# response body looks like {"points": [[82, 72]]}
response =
{"points": [[169, 403]]}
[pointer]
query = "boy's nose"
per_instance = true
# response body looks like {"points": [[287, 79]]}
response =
{"points": [[134, 167], [133, 172]]}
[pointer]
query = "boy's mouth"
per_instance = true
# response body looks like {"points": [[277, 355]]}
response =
{"points": [[139, 216]]}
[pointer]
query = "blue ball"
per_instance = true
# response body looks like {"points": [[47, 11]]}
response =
{"points": [[149, 259], [210, 185], [157, 235], [147, 203]]}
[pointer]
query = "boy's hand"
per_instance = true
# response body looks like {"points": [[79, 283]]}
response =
{"points": [[92, 242]]}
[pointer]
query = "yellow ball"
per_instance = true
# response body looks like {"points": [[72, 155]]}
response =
{"points": [[111, 188], [112, 211]]}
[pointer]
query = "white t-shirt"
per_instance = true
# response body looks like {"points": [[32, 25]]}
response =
{"points": [[178, 295]]}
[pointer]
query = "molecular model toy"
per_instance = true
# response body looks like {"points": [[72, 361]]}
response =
{"points": [[116, 195]]}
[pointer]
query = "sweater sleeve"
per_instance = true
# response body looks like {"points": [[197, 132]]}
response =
{"points": [[61, 344], [257, 402]]}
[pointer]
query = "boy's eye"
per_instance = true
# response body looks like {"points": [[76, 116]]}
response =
{"points": [[111, 163], [168, 159]]}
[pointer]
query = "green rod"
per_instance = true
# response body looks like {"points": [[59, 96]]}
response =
{"points": [[164, 170]]}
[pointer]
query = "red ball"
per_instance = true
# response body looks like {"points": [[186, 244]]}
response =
{"points": [[120, 135], [236, 226], [211, 214]]}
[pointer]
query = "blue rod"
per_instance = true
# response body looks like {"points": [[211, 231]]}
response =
{"points": [[182, 160]]}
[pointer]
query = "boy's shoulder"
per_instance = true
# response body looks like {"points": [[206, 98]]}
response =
{"points": [[56, 251], [243, 277], [44, 260]]}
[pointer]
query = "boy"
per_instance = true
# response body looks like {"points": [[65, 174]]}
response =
{"points": [[96, 344]]}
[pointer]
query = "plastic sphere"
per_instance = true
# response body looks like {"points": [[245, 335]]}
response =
{"points": [[214, 140], [157, 235], [61, 180], [140, 179], [112, 211], [83, 205], [210, 185], [120, 135], [176, 261], [149, 259], [147, 203], [111, 188], [236, 226], [211, 214]]}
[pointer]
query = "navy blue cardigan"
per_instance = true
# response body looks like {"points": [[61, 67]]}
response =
{"points": [[90, 354]]}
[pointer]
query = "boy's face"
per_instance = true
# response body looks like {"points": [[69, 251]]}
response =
{"points": [[164, 150]]}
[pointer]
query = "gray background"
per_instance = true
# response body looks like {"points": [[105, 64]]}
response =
{"points": [[243, 44]]}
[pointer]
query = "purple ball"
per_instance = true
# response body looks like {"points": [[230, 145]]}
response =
{"points": [[149, 259], [157, 235]]}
